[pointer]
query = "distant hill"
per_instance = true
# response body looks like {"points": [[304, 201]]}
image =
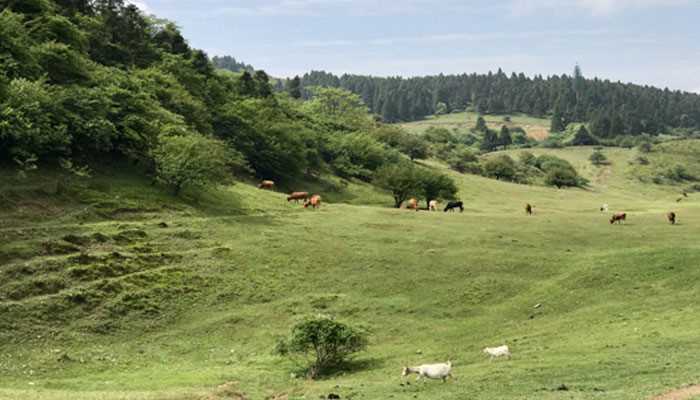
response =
{"points": [[612, 108]]}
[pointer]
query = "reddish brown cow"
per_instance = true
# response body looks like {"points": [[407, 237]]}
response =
{"points": [[314, 201], [671, 217], [266, 185], [619, 218], [412, 204], [296, 196]]}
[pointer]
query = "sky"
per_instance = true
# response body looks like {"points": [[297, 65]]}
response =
{"points": [[654, 42]]}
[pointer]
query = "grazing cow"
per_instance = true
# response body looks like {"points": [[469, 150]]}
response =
{"points": [[671, 217], [528, 209], [678, 200], [454, 204], [266, 185], [430, 371], [296, 196], [496, 352], [685, 194], [412, 204], [432, 206], [604, 208], [314, 201], [619, 218]]}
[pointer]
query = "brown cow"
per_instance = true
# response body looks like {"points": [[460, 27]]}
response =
{"points": [[528, 209], [266, 185], [296, 196], [671, 217], [314, 201], [412, 204], [619, 218]]}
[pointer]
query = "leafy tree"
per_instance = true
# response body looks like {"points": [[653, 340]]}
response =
{"points": [[401, 179], [415, 147], [500, 167], [339, 106], [438, 135], [481, 125], [293, 87], [461, 159], [440, 108], [434, 185], [191, 161], [29, 123], [325, 342], [558, 124], [504, 138], [598, 158], [263, 84], [490, 141], [562, 177]]}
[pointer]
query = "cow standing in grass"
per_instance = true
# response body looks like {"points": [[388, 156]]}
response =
{"points": [[296, 196], [432, 206], [671, 217], [454, 204], [266, 185], [314, 201], [412, 204], [620, 218], [528, 209]]}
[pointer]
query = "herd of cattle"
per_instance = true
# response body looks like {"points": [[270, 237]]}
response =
{"points": [[412, 204]]}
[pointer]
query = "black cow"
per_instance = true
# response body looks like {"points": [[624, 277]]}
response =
{"points": [[454, 204]]}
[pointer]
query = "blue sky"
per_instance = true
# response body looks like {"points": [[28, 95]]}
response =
{"points": [[654, 42]]}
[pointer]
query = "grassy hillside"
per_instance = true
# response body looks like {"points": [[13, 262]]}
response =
{"points": [[537, 128], [114, 289]]}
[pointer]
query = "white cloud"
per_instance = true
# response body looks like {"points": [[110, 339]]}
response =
{"points": [[452, 37], [594, 7]]}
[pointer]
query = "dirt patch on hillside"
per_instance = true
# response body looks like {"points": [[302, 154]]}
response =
{"points": [[536, 132], [685, 393]]}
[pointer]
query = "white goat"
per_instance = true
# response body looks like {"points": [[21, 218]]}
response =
{"points": [[431, 371], [500, 351]]}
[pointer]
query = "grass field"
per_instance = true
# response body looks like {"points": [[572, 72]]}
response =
{"points": [[537, 128], [117, 290]]}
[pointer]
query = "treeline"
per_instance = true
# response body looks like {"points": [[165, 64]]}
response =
{"points": [[612, 108], [83, 82], [231, 64]]}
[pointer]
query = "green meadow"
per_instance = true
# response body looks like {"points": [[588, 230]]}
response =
{"points": [[537, 128], [111, 288]]}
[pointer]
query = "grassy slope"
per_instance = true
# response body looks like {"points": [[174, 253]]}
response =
{"points": [[537, 128], [175, 313]]}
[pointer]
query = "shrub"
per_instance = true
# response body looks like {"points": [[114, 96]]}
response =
{"points": [[191, 161], [325, 343], [562, 177], [415, 147], [645, 147], [500, 167], [462, 159], [598, 158], [527, 158], [679, 173], [583, 138]]}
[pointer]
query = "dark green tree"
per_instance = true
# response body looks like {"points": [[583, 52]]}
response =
{"points": [[504, 137], [293, 87]]}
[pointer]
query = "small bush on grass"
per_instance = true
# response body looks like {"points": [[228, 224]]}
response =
{"points": [[325, 344]]}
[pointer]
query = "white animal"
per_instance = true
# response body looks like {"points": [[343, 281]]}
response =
{"points": [[496, 352], [432, 206], [604, 208], [431, 371]]}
